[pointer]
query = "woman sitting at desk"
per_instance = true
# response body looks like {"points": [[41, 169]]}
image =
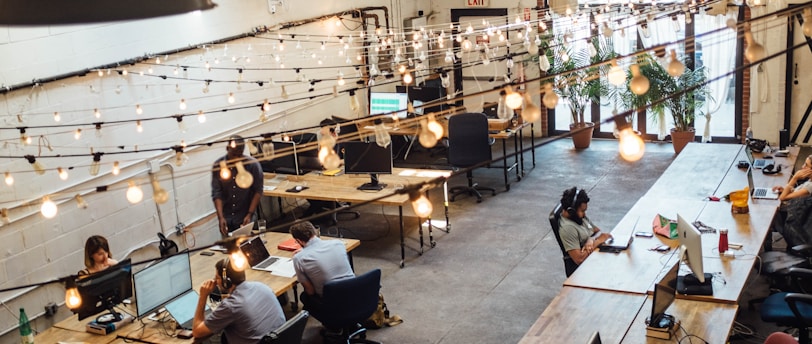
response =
{"points": [[97, 255], [793, 190], [578, 235]]}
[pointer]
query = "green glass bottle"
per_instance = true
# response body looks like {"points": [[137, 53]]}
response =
{"points": [[26, 335]]}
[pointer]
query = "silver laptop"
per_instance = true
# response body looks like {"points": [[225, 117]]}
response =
{"points": [[759, 192], [620, 243], [756, 163], [243, 230], [258, 256], [182, 309]]}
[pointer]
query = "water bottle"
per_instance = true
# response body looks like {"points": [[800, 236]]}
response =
{"points": [[748, 133], [26, 335], [722, 240]]}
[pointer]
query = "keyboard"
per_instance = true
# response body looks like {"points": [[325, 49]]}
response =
{"points": [[760, 192], [267, 262]]}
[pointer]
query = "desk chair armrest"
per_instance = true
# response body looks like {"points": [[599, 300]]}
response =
{"points": [[802, 273], [804, 250], [792, 300]]}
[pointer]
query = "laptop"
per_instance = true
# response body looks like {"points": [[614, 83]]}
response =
{"points": [[756, 163], [258, 256], [243, 230], [759, 192], [621, 242], [182, 309]]}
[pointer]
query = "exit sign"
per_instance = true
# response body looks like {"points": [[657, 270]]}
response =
{"points": [[476, 3]]}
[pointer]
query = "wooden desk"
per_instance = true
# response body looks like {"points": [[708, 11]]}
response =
{"points": [[343, 188], [695, 317], [576, 313], [697, 172], [73, 330], [515, 132]]}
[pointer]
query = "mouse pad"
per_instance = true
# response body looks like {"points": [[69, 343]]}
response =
{"points": [[294, 190]]}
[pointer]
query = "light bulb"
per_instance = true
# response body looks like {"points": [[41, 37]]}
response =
{"points": [[96, 113], [675, 24], [331, 161], [341, 81], [426, 137], [201, 117], [77, 134], [616, 75], [48, 208], [421, 205], [57, 117], [230, 98], [9, 179], [509, 63], [267, 150], [544, 62], [435, 127], [639, 84], [138, 127], [182, 104], [355, 106], [466, 45], [225, 172], [531, 112], [754, 51], [675, 67], [62, 173], [134, 193], [402, 69], [159, 195], [96, 164], [139, 110], [4, 215], [445, 80], [807, 27], [550, 99], [72, 298], [38, 167], [512, 99], [284, 94], [238, 260], [533, 49], [607, 31], [407, 78], [80, 201], [590, 48], [266, 106], [382, 137], [244, 179], [644, 30], [116, 169], [630, 145]]}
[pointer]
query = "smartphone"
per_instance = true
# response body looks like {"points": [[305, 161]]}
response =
{"points": [[644, 234], [207, 253]]}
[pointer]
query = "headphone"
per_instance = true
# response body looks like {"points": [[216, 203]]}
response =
{"points": [[771, 169], [224, 274], [572, 209]]}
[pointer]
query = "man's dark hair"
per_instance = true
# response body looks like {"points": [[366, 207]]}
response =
{"points": [[303, 231], [237, 139], [236, 277]]}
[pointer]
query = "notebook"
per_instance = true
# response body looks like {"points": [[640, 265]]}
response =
{"points": [[620, 242], [289, 245], [182, 309], [756, 163], [759, 192], [258, 256]]}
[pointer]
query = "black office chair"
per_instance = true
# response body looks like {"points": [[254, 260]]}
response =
{"points": [[290, 332], [468, 145], [792, 309], [555, 217], [166, 246], [346, 304]]}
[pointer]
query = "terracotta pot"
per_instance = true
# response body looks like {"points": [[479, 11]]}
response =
{"points": [[583, 138], [681, 138]]}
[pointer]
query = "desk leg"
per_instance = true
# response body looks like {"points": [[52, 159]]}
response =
{"points": [[402, 239], [533, 143], [516, 157], [295, 305], [420, 231], [445, 208], [505, 164]]}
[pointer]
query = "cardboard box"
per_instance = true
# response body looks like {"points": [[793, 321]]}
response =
{"points": [[498, 124]]}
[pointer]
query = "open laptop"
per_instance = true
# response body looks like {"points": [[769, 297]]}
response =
{"points": [[182, 309], [759, 192], [258, 256], [243, 230], [620, 242], [756, 163]]}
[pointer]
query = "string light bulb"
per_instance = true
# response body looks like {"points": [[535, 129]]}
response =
{"points": [[9, 179], [630, 145], [4, 215], [159, 194], [244, 179], [407, 78], [266, 106], [284, 93], [138, 127], [225, 172], [134, 193], [72, 298], [616, 75], [426, 138], [550, 98], [531, 112], [807, 27], [97, 113], [139, 110], [355, 106], [421, 204], [639, 83], [435, 127], [675, 66], [182, 104], [38, 167], [116, 169], [201, 117], [382, 137], [754, 51], [512, 99], [24, 138], [62, 173], [57, 117], [96, 164], [238, 260], [48, 208], [231, 98], [77, 134], [80, 201]]}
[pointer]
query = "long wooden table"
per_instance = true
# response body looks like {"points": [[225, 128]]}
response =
{"points": [[605, 279], [73, 330], [344, 188]]}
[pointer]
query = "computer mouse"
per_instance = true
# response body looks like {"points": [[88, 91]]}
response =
{"points": [[298, 188]]}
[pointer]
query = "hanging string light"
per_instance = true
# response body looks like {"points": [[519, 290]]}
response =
{"points": [[159, 195], [639, 83], [182, 105], [675, 66], [134, 193], [38, 167], [244, 179], [116, 169], [62, 173], [550, 98], [138, 127], [97, 113], [57, 117], [630, 145], [72, 298], [382, 137], [426, 137], [420, 203], [531, 111], [48, 208], [9, 179], [4, 216], [512, 99], [77, 134], [807, 27], [95, 166], [225, 172], [754, 51], [80, 201], [616, 75]]}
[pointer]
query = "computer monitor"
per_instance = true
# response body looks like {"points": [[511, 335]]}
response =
{"points": [[425, 94], [284, 157], [664, 294], [383, 102], [104, 290], [690, 239], [367, 157], [162, 282]]}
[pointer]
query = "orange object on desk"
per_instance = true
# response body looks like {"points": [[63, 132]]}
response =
{"points": [[289, 245]]}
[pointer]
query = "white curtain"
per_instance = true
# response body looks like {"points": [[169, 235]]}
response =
{"points": [[660, 31], [718, 58]]}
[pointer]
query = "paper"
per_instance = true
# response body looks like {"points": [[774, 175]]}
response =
{"points": [[283, 268]]}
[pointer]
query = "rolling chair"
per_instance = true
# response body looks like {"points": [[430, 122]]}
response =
{"points": [[290, 332], [791, 309], [555, 216], [348, 302], [468, 145]]}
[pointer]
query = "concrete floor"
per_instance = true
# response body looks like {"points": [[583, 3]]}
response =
{"points": [[499, 267]]}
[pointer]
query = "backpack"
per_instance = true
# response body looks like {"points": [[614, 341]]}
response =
{"points": [[381, 316]]}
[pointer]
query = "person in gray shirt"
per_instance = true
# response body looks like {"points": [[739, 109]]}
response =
{"points": [[318, 262], [248, 310], [579, 235]]}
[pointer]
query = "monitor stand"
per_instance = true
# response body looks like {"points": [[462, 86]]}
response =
{"points": [[690, 285], [373, 185], [110, 317]]}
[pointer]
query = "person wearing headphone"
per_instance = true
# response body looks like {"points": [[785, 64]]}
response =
{"points": [[800, 185], [578, 234], [318, 262], [234, 205], [248, 310]]}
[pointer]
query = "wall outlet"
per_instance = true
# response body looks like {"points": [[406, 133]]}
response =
{"points": [[50, 309], [180, 228]]}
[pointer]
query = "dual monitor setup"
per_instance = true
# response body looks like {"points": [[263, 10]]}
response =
{"points": [[397, 102], [169, 281]]}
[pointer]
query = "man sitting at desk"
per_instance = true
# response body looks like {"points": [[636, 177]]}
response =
{"points": [[248, 311], [578, 235], [318, 262]]}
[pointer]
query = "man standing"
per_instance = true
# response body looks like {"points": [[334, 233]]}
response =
{"points": [[235, 205], [248, 311], [318, 262]]}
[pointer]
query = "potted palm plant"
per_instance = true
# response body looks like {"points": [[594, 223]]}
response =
{"points": [[579, 82]]}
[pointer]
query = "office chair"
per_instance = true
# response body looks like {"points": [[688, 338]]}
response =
{"points": [[468, 145], [290, 332], [348, 302], [555, 216], [791, 309], [776, 267]]}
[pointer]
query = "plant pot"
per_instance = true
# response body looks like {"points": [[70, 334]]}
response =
{"points": [[583, 138], [680, 139]]}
